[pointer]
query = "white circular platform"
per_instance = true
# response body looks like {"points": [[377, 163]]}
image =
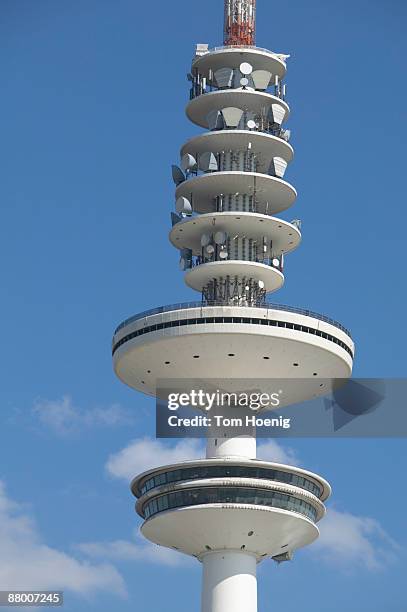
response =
{"points": [[199, 276], [197, 109], [232, 57], [226, 526], [272, 194], [265, 146], [187, 233], [231, 351]]}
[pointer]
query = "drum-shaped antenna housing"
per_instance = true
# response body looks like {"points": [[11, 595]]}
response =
{"points": [[177, 175], [207, 162], [232, 116], [183, 206], [278, 167], [223, 77]]}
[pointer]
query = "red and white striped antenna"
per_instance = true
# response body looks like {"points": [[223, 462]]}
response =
{"points": [[240, 23]]}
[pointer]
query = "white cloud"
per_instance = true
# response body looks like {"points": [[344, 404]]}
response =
{"points": [[26, 562], [358, 540], [145, 453], [137, 550], [271, 450], [64, 418]]}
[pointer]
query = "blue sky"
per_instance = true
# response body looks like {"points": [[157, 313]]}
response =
{"points": [[92, 103]]}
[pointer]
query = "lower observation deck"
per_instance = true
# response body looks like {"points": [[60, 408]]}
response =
{"points": [[230, 342], [263, 508], [257, 529]]}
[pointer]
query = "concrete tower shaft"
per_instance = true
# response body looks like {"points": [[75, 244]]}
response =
{"points": [[230, 510], [240, 23]]}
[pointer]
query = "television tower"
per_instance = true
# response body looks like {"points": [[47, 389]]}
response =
{"points": [[230, 510]]}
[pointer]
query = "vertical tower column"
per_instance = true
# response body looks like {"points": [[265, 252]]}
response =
{"points": [[229, 582], [239, 446], [228, 440]]}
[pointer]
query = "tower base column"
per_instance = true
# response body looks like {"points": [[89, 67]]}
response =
{"points": [[229, 582]]}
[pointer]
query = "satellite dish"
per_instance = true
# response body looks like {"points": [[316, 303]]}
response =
{"points": [[247, 288], [276, 262], [177, 175], [246, 68], [223, 254], [210, 249], [261, 284], [220, 237], [188, 162], [205, 240], [251, 124], [244, 82], [183, 206]]}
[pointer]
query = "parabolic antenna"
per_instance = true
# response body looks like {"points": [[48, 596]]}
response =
{"points": [[246, 68], [251, 124]]}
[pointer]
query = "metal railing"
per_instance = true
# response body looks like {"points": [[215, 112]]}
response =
{"points": [[252, 47], [266, 306]]}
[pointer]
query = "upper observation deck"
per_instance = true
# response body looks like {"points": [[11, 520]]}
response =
{"points": [[240, 342]]}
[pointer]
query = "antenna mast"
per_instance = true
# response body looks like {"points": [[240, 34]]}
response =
{"points": [[240, 23]]}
